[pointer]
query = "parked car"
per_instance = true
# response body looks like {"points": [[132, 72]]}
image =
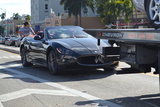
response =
{"points": [[1, 39], [152, 9], [65, 47], [11, 41], [6, 42], [5, 39]]}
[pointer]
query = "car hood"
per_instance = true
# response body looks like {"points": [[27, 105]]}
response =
{"points": [[83, 45]]}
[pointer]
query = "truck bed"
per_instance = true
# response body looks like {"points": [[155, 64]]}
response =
{"points": [[130, 35]]}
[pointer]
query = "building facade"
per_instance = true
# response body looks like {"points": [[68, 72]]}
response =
{"points": [[43, 9]]}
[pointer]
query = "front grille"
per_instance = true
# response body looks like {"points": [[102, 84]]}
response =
{"points": [[96, 59], [89, 60]]}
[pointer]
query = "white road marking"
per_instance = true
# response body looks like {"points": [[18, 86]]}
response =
{"points": [[70, 90], [5, 76], [12, 56], [15, 65], [26, 92], [18, 56], [5, 57], [1, 105]]}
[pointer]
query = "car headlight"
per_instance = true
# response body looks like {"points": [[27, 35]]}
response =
{"points": [[63, 51]]}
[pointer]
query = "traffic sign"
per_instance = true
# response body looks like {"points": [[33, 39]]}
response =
{"points": [[7, 25]]}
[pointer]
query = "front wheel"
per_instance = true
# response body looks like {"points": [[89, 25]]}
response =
{"points": [[153, 12], [52, 63], [24, 61]]}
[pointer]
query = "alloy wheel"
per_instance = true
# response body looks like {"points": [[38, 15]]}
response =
{"points": [[154, 11], [24, 61], [52, 63]]}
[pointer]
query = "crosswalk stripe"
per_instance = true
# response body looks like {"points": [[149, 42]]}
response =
{"points": [[26, 92], [12, 56], [64, 88], [7, 57]]}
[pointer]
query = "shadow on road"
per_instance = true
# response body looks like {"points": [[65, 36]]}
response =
{"points": [[152, 100], [69, 75], [9, 50], [10, 62], [127, 71]]}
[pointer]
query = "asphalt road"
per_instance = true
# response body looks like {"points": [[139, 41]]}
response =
{"points": [[36, 87]]}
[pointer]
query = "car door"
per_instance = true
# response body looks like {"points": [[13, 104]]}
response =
{"points": [[38, 51]]}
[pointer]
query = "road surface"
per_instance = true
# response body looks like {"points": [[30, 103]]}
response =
{"points": [[36, 87]]}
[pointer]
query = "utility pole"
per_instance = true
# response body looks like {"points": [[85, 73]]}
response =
{"points": [[51, 16]]}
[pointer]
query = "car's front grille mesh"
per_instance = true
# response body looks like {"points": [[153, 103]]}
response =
{"points": [[95, 59], [89, 60]]}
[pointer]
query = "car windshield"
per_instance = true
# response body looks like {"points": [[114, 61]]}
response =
{"points": [[66, 32]]}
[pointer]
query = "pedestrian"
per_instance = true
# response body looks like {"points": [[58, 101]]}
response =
{"points": [[26, 30]]}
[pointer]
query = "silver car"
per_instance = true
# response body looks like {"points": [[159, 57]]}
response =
{"points": [[152, 8], [1, 39]]}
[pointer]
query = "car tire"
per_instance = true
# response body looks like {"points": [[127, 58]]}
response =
{"points": [[24, 61], [153, 14], [52, 63]]}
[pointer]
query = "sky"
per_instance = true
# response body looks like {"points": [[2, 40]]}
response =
{"points": [[15, 6]]}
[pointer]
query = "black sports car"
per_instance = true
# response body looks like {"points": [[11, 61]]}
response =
{"points": [[65, 47]]}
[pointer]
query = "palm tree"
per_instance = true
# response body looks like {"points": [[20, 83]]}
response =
{"points": [[127, 9], [16, 16], [28, 17], [3, 15], [75, 7], [110, 10]]}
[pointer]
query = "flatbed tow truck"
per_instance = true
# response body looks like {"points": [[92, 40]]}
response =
{"points": [[139, 48]]}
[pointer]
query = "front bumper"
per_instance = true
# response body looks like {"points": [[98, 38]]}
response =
{"points": [[99, 65], [109, 57], [84, 62]]}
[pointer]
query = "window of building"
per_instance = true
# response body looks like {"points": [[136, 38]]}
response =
{"points": [[46, 6], [36, 6]]}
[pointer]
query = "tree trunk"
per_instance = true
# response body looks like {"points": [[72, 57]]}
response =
{"points": [[80, 16], [76, 21]]}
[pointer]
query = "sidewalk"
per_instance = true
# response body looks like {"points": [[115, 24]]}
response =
{"points": [[10, 48]]}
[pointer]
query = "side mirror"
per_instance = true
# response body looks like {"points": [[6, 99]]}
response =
{"points": [[37, 37]]}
